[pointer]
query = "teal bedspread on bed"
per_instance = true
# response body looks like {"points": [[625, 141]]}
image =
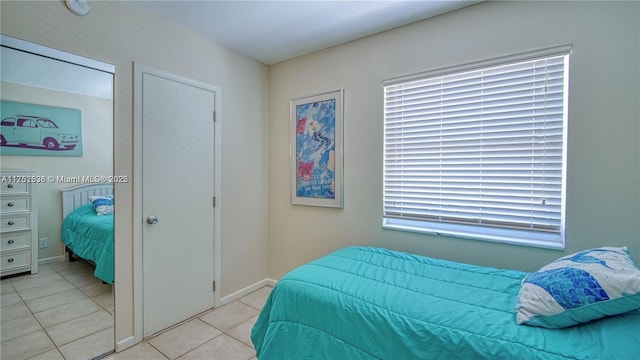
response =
{"points": [[91, 237], [373, 303]]}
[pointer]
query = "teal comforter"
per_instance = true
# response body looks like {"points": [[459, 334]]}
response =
{"points": [[91, 237], [373, 303]]}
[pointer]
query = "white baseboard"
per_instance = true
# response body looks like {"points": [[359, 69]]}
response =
{"points": [[50, 260], [249, 289], [125, 344]]}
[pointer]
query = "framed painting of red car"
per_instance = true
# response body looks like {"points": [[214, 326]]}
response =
{"points": [[39, 130]]}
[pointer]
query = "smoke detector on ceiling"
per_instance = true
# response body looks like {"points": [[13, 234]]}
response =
{"points": [[78, 7]]}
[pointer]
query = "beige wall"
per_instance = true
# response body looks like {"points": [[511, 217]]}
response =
{"points": [[115, 33], [603, 170], [97, 157], [603, 141]]}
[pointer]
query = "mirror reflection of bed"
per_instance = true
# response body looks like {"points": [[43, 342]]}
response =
{"points": [[87, 227], [64, 310]]}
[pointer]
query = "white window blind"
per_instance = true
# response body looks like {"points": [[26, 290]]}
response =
{"points": [[479, 152]]}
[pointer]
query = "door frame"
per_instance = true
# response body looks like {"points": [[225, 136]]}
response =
{"points": [[138, 217]]}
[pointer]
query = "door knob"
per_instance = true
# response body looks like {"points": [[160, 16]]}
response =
{"points": [[151, 219]]}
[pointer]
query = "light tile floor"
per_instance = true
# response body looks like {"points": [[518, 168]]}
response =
{"points": [[63, 312], [222, 333]]}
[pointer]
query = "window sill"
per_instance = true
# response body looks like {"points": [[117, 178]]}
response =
{"points": [[504, 236]]}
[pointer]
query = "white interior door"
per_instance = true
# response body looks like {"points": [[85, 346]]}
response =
{"points": [[177, 199]]}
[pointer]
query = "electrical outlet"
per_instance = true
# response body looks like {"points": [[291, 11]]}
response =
{"points": [[43, 243]]}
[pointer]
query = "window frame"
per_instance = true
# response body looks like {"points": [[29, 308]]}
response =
{"points": [[552, 240]]}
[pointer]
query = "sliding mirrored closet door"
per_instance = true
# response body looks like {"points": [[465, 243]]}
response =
{"points": [[56, 157]]}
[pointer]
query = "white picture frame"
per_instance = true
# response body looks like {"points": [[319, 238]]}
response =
{"points": [[316, 150]]}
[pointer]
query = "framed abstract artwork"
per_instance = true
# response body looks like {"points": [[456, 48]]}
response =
{"points": [[316, 130]]}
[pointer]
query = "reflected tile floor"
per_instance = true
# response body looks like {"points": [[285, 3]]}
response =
{"points": [[222, 333], [63, 312]]}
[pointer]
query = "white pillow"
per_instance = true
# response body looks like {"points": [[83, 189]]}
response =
{"points": [[102, 203], [579, 288]]}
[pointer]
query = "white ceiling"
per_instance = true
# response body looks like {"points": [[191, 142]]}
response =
{"points": [[274, 31]]}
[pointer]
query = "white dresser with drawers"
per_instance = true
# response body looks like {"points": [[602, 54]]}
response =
{"points": [[18, 222]]}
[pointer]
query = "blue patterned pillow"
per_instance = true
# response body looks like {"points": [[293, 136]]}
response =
{"points": [[578, 288], [103, 204]]}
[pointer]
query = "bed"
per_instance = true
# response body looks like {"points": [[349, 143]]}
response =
{"points": [[374, 303], [85, 233]]}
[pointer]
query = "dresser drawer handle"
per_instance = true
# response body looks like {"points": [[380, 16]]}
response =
{"points": [[10, 223], [10, 260], [10, 204], [10, 186], [10, 242]]}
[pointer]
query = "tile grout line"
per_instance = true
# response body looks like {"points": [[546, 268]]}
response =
{"points": [[87, 295], [197, 317], [87, 335], [44, 329], [37, 321]]}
